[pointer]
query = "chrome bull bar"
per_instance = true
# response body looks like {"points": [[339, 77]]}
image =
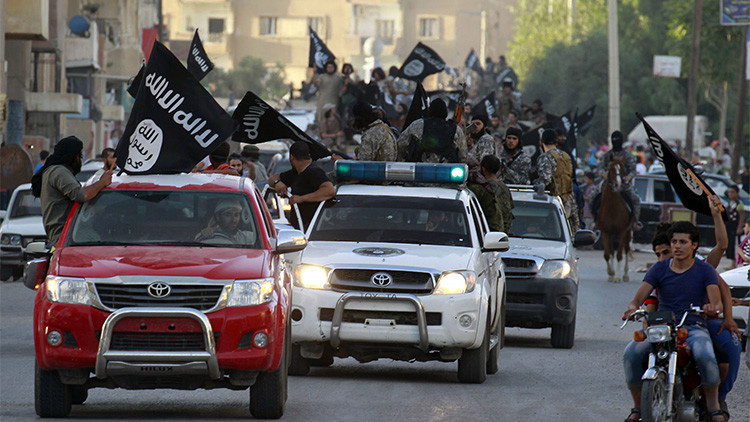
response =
{"points": [[338, 314], [127, 362]]}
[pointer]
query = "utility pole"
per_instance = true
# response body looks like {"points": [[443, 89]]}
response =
{"points": [[740, 116], [160, 17], [695, 56], [614, 69]]}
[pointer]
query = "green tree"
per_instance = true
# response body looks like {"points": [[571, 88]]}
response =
{"points": [[251, 74]]}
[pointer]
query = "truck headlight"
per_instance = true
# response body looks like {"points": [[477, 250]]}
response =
{"points": [[11, 239], [455, 282], [68, 290], [311, 276], [554, 269], [251, 292]]}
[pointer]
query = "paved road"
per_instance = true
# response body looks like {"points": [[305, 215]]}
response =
{"points": [[535, 382]]}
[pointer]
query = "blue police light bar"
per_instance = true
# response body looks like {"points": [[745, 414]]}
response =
{"points": [[403, 172]]}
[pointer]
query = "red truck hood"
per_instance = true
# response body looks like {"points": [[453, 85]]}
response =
{"points": [[213, 263]]}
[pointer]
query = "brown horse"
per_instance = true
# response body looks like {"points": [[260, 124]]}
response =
{"points": [[614, 222]]}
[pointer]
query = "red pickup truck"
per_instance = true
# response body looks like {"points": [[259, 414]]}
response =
{"points": [[165, 281]]}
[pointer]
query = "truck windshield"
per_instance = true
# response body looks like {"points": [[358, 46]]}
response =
{"points": [[392, 219], [167, 218], [25, 205], [536, 220]]}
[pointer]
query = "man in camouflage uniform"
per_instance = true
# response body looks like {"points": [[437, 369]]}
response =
{"points": [[486, 195], [554, 173], [482, 143], [626, 188], [515, 165], [378, 142], [424, 137], [490, 165]]}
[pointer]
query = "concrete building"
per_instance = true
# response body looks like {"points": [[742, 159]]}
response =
{"points": [[365, 33], [71, 61]]}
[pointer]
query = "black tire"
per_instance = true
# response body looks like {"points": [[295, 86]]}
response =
{"points": [[325, 361], [472, 365], [298, 365], [17, 272], [563, 335], [654, 399], [268, 394], [6, 272], [493, 357], [78, 394], [51, 397]]}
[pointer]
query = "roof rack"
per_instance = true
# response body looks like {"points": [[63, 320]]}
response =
{"points": [[530, 189]]}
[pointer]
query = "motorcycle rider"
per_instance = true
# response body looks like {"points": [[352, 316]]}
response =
{"points": [[682, 281], [724, 332]]}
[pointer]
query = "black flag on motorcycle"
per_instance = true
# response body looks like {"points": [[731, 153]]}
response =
{"points": [[319, 53], [259, 122], [691, 190], [175, 122], [418, 107], [421, 62], [198, 62], [472, 62]]}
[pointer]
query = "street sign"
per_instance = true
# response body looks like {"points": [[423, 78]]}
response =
{"points": [[667, 66], [735, 12]]}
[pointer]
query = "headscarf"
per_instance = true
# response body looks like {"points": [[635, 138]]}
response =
{"points": [[616, 141], [517, 133], [475, 172], [66, 151]]}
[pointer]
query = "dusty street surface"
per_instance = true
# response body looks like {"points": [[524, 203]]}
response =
{"points": [[535, 381]]}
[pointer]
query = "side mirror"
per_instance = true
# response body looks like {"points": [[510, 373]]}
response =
{"points": [[288, 241], [496, 241], [35, 273], [584, 238], [37, 249]]}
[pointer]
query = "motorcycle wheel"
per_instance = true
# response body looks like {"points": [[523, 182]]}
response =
{"points": [[654, 400]]}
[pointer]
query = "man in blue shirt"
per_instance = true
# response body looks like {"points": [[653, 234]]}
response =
{"points": [[683, 281]]}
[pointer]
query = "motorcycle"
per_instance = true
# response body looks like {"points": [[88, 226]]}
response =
{"points": [[671, 385]]}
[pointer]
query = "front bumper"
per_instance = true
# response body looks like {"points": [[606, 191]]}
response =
{"points": [[226, 339], [426, 321], [539, 303], [10, 255]]}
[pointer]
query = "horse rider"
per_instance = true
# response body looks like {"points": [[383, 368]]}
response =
{"points": [[553, 172], [515, 163], [627, 189]]}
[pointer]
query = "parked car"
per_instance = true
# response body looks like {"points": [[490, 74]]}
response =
{"points": [[88, 169], [541, 267], [131, 299], [660, 203], [22, 226], [738, 280], [720, 183]]}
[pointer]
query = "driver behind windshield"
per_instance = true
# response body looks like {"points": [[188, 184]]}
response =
{"points": [[224, 225]]}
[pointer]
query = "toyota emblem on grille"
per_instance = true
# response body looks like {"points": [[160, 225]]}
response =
{"points": [[158, 289], [381, 279]]}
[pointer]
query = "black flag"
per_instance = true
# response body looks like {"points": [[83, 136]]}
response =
{"points": [[197, 62], [507, 73], [687, 188], [175, 122], [585, 120], [418, 107], [472, 62], [486, 106], [259, 122], [319, 53], [422, 61], [136, 83]]}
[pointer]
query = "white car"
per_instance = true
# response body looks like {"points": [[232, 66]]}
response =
{"points": [[400, 271], [738, 280], [541, 267], [22, 225]]}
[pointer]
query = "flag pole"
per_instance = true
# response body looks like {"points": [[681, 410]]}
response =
{"points": [[698, 181]]}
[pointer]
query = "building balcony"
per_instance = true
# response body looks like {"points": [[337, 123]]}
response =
{"points": [[53, 102], [27, 19]]}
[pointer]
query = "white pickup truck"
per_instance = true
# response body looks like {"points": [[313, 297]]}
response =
{"points": [[400, 264]]}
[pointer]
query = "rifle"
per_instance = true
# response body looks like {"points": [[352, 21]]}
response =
{"points": [[459, 111]]}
